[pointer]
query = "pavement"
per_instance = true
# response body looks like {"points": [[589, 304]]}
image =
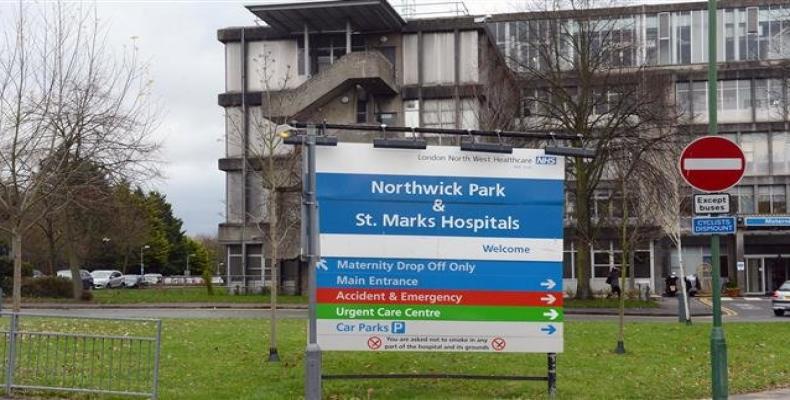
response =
{"points": [[777, 394]]}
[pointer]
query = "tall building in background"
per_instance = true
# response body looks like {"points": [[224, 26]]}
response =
{"points": [[361, 62]]}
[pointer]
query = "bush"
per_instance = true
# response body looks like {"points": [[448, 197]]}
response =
{"points": [[47, 286], [7, 274]]}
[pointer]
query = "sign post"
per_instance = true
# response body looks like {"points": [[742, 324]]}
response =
{"points": [[438, 250]]}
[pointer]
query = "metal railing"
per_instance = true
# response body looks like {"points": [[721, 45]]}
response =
{"points": [[113, 356]]}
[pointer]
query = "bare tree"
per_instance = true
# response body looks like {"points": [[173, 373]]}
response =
{"points": [[66, 101], [639, 169], [275, 171], [581, 74], [668, 209]]}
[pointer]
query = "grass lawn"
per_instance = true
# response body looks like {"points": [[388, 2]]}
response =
{"points": [[183, 295], [225, 359]]}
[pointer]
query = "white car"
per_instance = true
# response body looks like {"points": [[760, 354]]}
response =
{"points": [[105, 278], [152, 279], [780, 301]]}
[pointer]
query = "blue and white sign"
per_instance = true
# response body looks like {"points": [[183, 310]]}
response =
{"points": [[439, 250], [766, 221], [713, 225]]}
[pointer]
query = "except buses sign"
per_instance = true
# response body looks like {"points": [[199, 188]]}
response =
{"points": [[439, 250]]}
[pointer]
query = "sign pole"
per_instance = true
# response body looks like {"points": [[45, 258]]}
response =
{"points": [[313, 351], [718, 346]]}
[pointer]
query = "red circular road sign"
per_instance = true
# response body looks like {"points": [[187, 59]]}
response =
{"points": [[712, 164]]}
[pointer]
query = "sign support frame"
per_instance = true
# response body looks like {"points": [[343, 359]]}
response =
{"points": [[313, 355]]}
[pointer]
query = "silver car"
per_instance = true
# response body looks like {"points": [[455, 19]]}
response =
{"points": [[780, 301], [132, 281], [105, 278]]}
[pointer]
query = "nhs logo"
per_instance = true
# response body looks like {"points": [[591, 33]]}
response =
{"points": [[398, 327], [546, 160]]}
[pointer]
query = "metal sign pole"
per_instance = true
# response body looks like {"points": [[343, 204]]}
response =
{"points": [[552, 376], [313, 351], [718, 347]]}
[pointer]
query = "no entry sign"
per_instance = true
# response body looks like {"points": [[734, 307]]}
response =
{"points": [[712, 164]]}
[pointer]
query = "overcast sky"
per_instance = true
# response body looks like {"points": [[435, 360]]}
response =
{"points": [[178, 38]]}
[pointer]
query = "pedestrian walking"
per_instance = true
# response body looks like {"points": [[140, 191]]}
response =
{"points": [[614, 281]]}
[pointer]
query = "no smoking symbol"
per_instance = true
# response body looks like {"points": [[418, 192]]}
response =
{"points": [[498, 343], [374, 342]]}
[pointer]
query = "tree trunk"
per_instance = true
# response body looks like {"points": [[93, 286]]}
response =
{"points": [[583, 228], [52, 246], [274, 260], [16, 249], [624, 245], [74, 263]]}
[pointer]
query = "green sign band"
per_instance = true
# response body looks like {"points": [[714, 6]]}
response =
{"points": [[438, 312]]}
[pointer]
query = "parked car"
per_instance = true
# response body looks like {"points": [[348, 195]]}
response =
{"points": [[105, 278], [152, 279], [87, 278], [132, 281], [37, 273], [780, 301]]}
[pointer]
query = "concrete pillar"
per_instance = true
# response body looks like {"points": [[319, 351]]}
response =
{"points": [[739, 257], [306, 51], [348, 37]]}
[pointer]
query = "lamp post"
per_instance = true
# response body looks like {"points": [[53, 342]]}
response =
{"points": [[142, 267], [187, 271]]}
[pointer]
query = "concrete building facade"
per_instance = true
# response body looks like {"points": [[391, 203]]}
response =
{"points": [[359, 61]]}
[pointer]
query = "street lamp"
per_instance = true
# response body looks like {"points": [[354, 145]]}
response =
{"points": [[142, 267], [187, 271]]}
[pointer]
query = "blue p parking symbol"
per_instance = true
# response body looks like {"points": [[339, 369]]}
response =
{"points": [[398, 327]]}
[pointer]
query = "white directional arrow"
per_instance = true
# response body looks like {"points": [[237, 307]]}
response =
{"points": [[322, 265], [549, 298], [548, 284], [552, 314]]}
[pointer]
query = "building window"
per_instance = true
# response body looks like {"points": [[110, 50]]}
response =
{"points": [[438, 58], [362, 111], [682, 91], [771, 199], [387, 118], [729, 35], [438, 113], [602, 263], [745, 199], [569, 262], [602, 202], [780, 153], [651, 40], [699, 99], [755, 148], [683, 32], [778, 199], [641, 264]]}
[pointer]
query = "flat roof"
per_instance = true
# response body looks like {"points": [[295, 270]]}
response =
{"points": [[328, 16]]}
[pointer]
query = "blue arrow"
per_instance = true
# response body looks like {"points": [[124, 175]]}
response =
{"points": [[549, 329]]}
